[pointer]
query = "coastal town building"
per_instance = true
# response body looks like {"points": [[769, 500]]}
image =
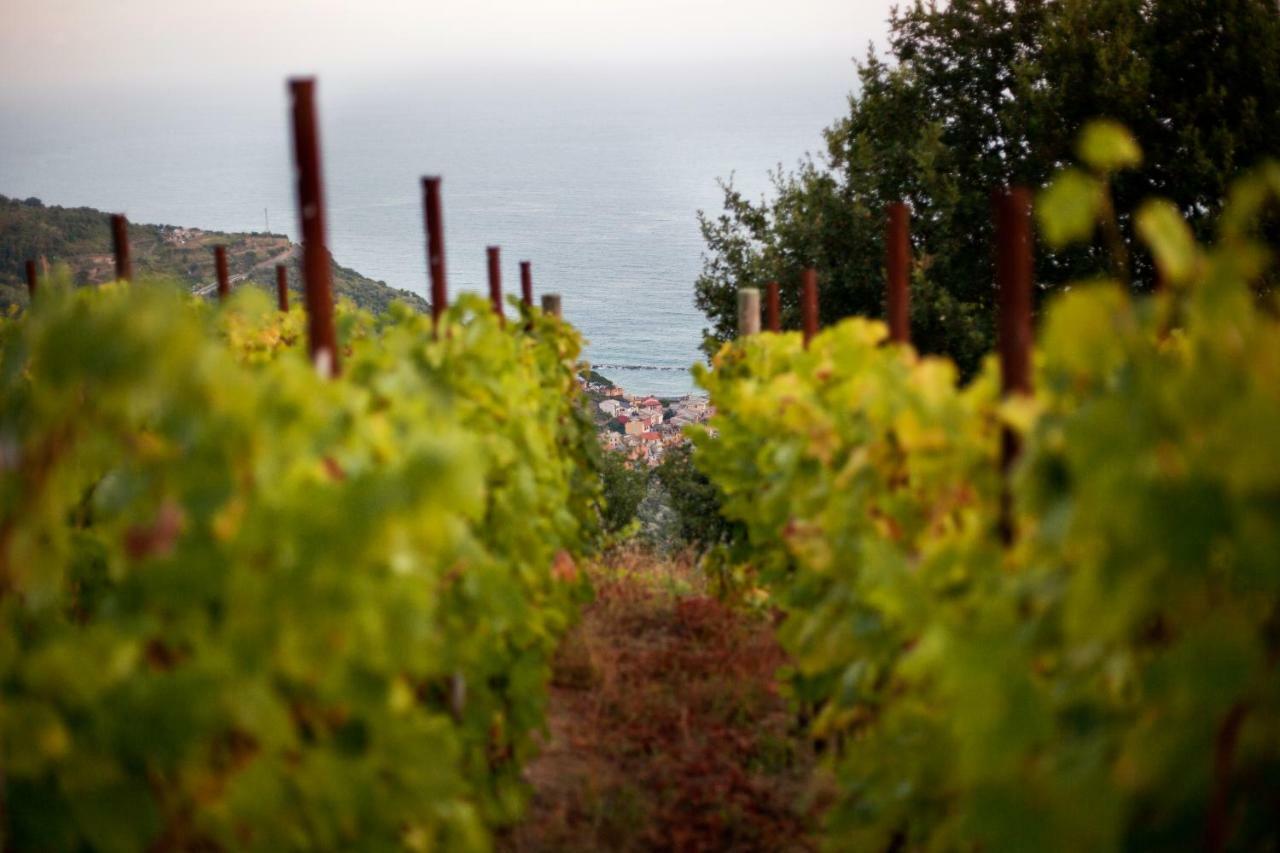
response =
{"points": [[644, 427]]}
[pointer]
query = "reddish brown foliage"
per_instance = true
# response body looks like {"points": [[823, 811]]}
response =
{"points": [[156, 539], [667, 729]]}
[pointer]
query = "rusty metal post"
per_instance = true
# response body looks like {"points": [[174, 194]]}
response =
{"points": [[220, 266], [435, 246], [31, 279], [317, 276], [1013, 278], [120, 238], [495, 281], [809, 304], [1014, 270], [748, 311], [897, 264], [526, 283], [282, 287], [551, 305], [773, 307]]}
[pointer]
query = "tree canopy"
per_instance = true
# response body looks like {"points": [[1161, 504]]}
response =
{"points": [[977, 94]]}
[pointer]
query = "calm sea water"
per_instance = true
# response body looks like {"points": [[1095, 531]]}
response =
{"points": [[597, 181]]}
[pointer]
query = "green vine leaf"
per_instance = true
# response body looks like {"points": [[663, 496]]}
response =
{"points": [[1108, 146], [1068, 209], [1166, 233]]}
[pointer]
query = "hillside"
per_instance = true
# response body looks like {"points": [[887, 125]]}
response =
{"points": [[80, 237]]}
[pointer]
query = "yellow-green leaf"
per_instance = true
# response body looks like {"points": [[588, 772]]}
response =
{"points": [[1068, 209], [1166, 233], [1108, 146]]}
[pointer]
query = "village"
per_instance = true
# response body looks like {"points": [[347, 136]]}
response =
{"points": [[641, 427]]}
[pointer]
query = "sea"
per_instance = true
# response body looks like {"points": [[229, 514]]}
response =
{"points": [[596, 179]]}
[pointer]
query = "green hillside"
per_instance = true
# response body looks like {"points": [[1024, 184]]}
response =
{"points": [[80, 238]]}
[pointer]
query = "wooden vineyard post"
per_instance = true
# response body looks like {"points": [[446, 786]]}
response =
{"points": [[897, 264], [31, 279], [526, 283], [773, 307], [551, 305], [120, 241], [220, 266], [809, 304], [748, 312], [434, 216], [1014, 269], [495, 282], [317, 276], [282, 287]]}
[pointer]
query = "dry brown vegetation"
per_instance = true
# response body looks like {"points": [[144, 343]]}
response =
{"points": [[667, 731]]}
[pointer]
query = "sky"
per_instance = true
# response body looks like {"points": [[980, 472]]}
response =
{"points": [[50, 48]]}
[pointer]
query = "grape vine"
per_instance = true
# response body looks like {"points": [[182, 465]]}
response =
{"points": [[246, 607], [1108, 681]]}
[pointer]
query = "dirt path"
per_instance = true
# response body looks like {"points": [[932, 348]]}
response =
{"points": [[666, 728]]}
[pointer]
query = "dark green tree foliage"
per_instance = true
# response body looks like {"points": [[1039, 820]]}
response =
{"points": [[597, 379], [977, 94], [625, 484], [696, 501]]}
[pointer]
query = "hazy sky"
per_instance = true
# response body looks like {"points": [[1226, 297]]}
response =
{"points": [[46, 45]]}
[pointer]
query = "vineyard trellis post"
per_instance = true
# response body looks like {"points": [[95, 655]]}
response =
{"points": [[551, 305], [282, 287], [120, 242], [317, 275], [495, 281], [1014, 269], [748, 312], [897, 265], [773, 307], [31, 279], [809, 303], [435, 246], [220, 268], [526, 283]]}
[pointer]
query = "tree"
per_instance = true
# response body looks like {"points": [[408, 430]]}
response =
{"points": [[982, 93], [696, 501], [625, 486]]}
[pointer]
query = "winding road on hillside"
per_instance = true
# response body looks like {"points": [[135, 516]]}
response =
{"points": [[212, 287]]}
